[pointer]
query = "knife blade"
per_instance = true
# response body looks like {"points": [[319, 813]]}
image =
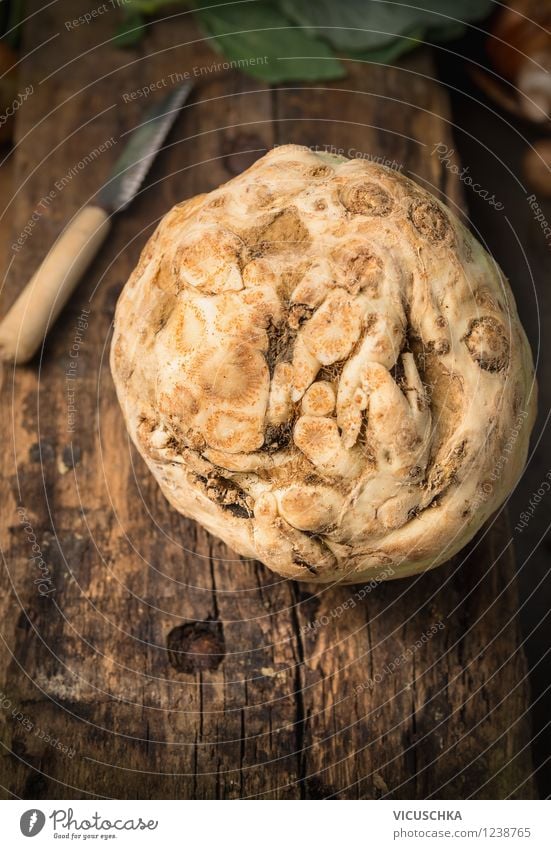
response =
{"points": [[24, 327], [133, 164]]}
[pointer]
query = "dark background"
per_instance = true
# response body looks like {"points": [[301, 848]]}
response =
{"points": [[491, 141]]}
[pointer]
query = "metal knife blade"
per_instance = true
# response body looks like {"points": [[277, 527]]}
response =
{"points": [[140, 151]]}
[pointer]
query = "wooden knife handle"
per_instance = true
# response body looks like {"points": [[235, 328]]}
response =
{"points": [[39, 304]]}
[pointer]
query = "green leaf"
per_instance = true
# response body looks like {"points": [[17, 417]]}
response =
{"points": [[265, 44], [448, 32], [16, 13], [131, 30], [359, 25], [388, 53], [152, 7]]}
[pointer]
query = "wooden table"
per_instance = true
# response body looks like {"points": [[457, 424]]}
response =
{"points": [[160, 665]]}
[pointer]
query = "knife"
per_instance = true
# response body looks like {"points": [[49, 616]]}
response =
{"points": [[24, 327]]}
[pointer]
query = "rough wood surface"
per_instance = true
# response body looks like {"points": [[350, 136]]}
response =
{"points": [[161, 664]]}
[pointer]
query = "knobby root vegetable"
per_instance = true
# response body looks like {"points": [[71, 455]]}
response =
{"points": [[322, 366]]}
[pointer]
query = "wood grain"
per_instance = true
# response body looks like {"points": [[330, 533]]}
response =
{"points": [[165, 665]]}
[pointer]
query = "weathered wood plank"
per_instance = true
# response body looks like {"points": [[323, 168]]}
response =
{"points": [[166, 665]]}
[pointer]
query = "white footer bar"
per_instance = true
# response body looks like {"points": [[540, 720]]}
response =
{"points": [[276, 824]]}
